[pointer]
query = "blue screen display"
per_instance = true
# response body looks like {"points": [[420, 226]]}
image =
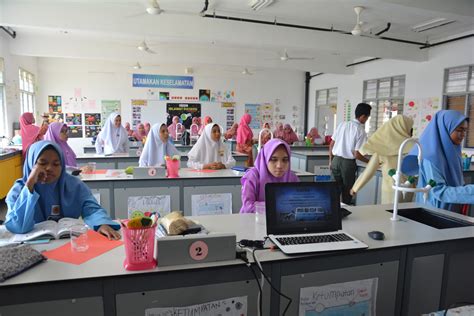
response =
{"points": [[303, 205]]}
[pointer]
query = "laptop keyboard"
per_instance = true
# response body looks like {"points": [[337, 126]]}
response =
{"points": [[313, 239]]}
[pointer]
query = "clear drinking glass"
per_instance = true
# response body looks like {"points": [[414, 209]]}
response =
{"points": [[79, 239], [91, 166], [260, 216]]}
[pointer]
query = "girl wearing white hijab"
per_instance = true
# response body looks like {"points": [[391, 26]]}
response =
{"points": [[209, 152], [157, 147], [113, 138]]}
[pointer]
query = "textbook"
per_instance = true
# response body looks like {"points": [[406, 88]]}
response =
{"points": [[48, 230]]}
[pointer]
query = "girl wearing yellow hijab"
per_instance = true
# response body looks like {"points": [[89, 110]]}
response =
{"points": [[383, 145]]}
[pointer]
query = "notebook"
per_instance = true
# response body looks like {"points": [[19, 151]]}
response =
{"points": [[304, 217]]}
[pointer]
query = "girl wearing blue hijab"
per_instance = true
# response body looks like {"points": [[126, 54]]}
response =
{"points": [[47, 191], [441, 144]]}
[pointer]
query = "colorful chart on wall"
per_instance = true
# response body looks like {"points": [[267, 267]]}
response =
{"points": [[73, 118], [266, 114], [185, 112], [261, 114], [109, 106], [164, 96], [55, 117], [421, 111], [349, 298], [253, 110], [223, 96], [92, 119], [55, 104], [75, 132], [347, 111], [90, 106], [92, 131]]}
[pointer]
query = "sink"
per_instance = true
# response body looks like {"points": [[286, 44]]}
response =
{"points": [[432, 219]]}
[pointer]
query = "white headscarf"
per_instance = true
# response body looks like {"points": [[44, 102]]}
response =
{"points": [[114, 139], [206, 150], [155, 150]]}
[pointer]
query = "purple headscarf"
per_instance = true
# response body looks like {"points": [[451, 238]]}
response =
{"points": [[54, 129], [258, 176]]}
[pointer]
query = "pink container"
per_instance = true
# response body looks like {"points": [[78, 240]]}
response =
{"points": [[139, 248], [172, 166]]}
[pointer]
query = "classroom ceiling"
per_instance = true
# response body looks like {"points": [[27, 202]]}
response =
{"points": [[112, 30]]}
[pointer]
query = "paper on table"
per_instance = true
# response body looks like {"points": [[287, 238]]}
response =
{"points": [[97, 171], [98, 244], [211, 204]]}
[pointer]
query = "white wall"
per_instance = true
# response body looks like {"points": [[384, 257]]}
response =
{"points": [[100, 80], [423, 79], [12, 64]]}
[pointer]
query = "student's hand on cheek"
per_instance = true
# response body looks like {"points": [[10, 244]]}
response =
{"points": [[38, 174], [109, 232]]}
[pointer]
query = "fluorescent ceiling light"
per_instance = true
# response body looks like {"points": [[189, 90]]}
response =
{"points": [[431, 24]]}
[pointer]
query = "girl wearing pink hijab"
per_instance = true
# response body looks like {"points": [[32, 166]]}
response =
{"points": [[289, 136], [140, 133], [278, 133], [172, 128], [57, 133], [205, 121], [315, 137], [195, 126], [231, 132], [147, 128], [30, 133], [128, 129], [245, 138], [271, 165]]}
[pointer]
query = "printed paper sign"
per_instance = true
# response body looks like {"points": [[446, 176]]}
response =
{"points": [[211, 204], [143, 205], [342, 299], [235, 306]]}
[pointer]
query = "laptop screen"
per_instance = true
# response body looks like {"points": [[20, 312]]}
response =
{"points": [[302, 207]]}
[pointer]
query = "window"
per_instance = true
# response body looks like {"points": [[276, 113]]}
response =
{"points": [[3, 110], [386, 97], [27, 91], [326, 105], [459, 95]]}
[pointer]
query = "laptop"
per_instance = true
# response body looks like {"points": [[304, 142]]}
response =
{"points": [[304, 217]]}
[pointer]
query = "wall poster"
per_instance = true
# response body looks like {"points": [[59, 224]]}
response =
{"points": [[185, 111]]}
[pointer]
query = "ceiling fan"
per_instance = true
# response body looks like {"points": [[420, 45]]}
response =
{"points": [[246, 72], [137, 66], [144, 48], [154, 8]]}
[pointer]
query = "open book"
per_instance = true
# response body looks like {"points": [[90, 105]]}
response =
{"points": [[48, 230]]}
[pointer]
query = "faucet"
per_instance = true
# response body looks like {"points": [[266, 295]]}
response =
{"points": [[260, 137], [399, 187]]}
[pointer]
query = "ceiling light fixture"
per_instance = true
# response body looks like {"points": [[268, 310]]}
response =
{"points": [[427, 25], [137, 66]]}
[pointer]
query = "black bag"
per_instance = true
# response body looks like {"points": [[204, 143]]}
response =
{"points": [[186, 138]]}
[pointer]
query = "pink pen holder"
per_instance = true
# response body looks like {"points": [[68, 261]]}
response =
{"points": [[139, 248], [172, 167]]}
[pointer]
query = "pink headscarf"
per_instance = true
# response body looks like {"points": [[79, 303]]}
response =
{"points": [[231, 132], [52, 135], [289, 136], [29, 132], [205, 121], [128, 129], [244, 133], [313, 133], [139, 135], [278, 133], [172, 127], [147, 128]]}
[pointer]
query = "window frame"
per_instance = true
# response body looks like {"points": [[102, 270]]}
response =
{"points": [[28, 93], [326, 104], [376, 101], [3, 105], [468, 94]]}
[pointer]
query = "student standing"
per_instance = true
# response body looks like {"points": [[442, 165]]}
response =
{"points": [[48, 191], [30, 133], [158, 146], [57, 133], [113, 138], [344, 150], [383, 147], [441, 144], [209, 152], [271, 165], [245, 138]]}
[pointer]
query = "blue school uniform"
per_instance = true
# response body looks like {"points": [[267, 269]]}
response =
{"points": [[67, 197]]}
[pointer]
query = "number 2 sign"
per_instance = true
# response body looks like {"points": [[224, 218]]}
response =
{"points": [[198, 250]]}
